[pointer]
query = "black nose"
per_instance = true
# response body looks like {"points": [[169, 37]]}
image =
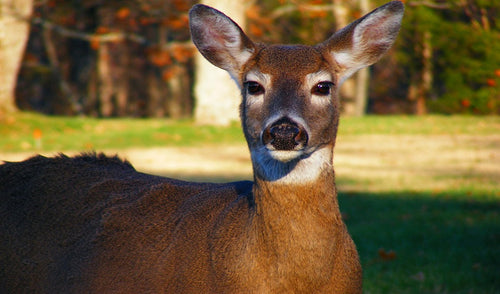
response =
{"points": [[285, 134]]}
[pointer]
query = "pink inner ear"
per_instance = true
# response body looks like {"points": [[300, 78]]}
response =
{"points": [[380, 28], [219, 34], [374, 32]]}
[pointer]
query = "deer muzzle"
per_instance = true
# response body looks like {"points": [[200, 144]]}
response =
{"points": [[285, 135]]}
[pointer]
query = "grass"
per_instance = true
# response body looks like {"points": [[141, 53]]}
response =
{"points": [[440, 243], [420, 195], [18, 133], [424, 125]]}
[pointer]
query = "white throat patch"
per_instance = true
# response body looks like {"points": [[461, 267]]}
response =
{"points": [[306, 169]]}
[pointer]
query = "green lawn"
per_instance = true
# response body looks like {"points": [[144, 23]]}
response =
{"points": [[417, 237], [17, 133]]}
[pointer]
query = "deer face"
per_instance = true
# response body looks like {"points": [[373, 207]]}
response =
{"points": [[289, 107]]}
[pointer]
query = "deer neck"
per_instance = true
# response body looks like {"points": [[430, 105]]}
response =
{"points": [[305, 192], [298, 221], [285, 209]]}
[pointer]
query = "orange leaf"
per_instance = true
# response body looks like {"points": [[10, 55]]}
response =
{"points": [[253, 12], [182, 5], [132, 23], [256, 30], [123, 13], [169, 73], [386, 255], [37, 134], [159, 58], [102, 30], [318, 14], [94, 43], [146, 21], [181, 54], [176, 23]]}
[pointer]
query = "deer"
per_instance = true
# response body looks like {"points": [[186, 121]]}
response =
{"points": [[91, 223]]}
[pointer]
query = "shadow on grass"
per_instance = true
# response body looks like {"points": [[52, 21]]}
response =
{"points": [[424, 242]]}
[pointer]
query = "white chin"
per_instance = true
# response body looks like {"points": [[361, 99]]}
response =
{"points": [[285, 156]]}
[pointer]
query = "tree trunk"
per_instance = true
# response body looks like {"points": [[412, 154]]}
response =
{"points": [[179, 104], [363, 76], [122, 79], [347, 92], [14, 31], [361, 96], [421, 81], [217, 96], [104, 81], [354, 92], [427, 75], [64, 87]]}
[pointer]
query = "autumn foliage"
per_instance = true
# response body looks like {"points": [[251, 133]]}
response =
{"points": [[146, 48], [109, 58]]}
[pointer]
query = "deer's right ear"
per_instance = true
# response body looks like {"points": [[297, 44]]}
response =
{"points": [[364, 41], [219, 39]]}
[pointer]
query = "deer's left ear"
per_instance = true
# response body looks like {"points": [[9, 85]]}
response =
{"points": [[219, 39], [365, 40]]}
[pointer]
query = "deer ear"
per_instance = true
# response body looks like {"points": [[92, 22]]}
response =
{"points": [[364, 41], [219, 39]]}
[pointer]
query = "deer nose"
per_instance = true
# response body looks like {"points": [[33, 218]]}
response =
{"points": [[285, 135]]}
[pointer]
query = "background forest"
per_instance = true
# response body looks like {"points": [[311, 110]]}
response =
{"points": [[134, 57]]}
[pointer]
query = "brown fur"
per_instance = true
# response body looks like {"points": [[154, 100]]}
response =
{"points": [[102, 227], [92, 224]]}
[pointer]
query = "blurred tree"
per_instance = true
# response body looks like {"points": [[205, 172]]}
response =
{"points": [[14, 31], [421, 76], [112, 58], [451, 55]]}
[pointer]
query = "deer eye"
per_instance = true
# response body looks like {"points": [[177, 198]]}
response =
{"points": [[322, 88], [254, 88]]}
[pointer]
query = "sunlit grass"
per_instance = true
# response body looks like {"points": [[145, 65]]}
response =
{"points": [[420, 125], [18, 133]]}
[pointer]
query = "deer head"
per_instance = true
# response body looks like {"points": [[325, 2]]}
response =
{"points": [[290, 106]]}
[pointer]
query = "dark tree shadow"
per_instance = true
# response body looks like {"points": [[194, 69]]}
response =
{"points": [[425, 242]]}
